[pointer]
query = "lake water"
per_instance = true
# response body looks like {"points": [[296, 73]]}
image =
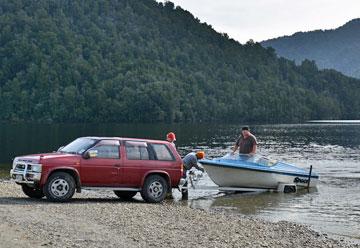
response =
{"points": [[332, 149]]}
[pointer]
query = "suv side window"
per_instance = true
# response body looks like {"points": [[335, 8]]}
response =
{"points": [[107, 149], [162, 152], [137, 150]]}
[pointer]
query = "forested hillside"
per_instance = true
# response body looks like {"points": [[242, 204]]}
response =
{"points": [[338, 49], [142, 61]]}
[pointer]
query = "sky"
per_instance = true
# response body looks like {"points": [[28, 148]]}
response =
{"points": [[265, 19]]}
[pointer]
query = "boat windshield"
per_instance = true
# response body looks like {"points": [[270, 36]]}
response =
{"points": [[78, 146], [257, 159]]}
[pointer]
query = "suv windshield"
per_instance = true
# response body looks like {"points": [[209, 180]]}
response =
{"points": [[78, 146]]}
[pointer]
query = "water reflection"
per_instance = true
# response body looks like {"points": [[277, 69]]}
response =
{"points": [[249, 203]]}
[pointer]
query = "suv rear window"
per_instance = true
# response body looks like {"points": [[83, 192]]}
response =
{"points": [[137, 150], [162, 152]]}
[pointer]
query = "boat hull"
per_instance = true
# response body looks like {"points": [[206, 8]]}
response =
{"points": [[225, 176]]}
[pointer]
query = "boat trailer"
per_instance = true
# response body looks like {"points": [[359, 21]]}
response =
{"points": [[282, 188]]}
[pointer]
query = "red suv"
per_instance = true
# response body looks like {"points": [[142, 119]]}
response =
{"points": [[124, 165]]}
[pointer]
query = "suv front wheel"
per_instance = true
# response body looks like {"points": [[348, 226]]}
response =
{"points": [[60, 187], [154, 189]]}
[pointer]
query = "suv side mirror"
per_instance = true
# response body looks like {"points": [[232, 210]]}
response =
{"points": [[90, 154]]}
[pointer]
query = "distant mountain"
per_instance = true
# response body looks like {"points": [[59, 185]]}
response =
{"points": [[144, 61], [337, 49]]}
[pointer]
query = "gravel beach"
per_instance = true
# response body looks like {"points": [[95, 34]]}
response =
{"points": [[93, 219]]}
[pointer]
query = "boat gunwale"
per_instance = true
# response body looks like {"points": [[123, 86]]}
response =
{"points": [[213, 163]]}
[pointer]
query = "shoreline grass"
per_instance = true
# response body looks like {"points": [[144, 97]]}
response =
{"points": [[4, 171]]}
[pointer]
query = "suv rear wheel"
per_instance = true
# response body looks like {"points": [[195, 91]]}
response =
{"points": [[154, 189], [60, 187], [32, 192], [126, 195]]}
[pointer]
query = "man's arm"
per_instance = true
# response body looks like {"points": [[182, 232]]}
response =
{"points": [[199, 167], [235, 148], [253, 151]]}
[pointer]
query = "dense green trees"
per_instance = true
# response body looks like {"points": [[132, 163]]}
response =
{"points": [[143, 61], [338, 49]]}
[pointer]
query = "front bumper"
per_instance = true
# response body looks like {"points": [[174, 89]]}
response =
{"points": [[21, 174]]}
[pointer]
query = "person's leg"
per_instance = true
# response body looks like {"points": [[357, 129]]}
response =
{"points": [[184, 190]]}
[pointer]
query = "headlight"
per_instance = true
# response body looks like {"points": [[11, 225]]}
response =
{"points": [[36, 167], [14, 162]]}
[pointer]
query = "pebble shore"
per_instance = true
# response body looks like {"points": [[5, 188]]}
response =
{"points": [[92, 219]]}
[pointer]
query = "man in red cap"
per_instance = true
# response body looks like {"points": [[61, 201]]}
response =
{"points": [[171, 138]]}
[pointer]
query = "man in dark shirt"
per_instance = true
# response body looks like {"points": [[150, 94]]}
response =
{"points": [[246, 143]]}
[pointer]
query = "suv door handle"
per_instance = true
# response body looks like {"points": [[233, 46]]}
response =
{"points": [[117, 165]]}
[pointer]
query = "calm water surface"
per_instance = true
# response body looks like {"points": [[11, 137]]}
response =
{"points": [[333, 150]]}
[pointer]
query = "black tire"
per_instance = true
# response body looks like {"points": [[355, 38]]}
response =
{"points": [[126, 195], [35, 193], [154, 189], [60, 187]]}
